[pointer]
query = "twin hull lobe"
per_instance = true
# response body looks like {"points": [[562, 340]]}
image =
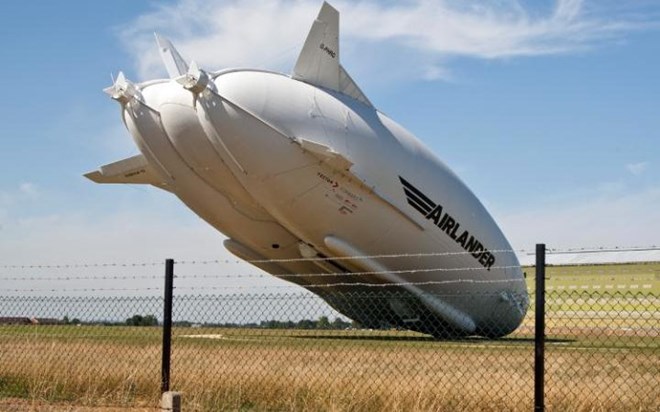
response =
{"points": [[235, 155]]}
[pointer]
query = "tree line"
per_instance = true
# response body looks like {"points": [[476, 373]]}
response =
{"points": [[322, 322]]}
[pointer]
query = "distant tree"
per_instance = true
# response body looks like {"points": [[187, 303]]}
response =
{"points": [[323, 323], [136, 320], [306, 324], [340, 324], [150, 320], [270, 324], [139, 320]]}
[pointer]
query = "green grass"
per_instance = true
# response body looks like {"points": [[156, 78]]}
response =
{"points": [[623, 277]]}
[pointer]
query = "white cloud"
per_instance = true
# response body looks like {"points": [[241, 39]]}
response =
{"points": [[119, 237], [637, 169], [229, 33], [130, 242], [623, 220], [29, 189], [26, 191], [436, 72]]}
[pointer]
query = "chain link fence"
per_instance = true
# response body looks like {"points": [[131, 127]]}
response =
{"points": [[245, 348], [80, 350]]}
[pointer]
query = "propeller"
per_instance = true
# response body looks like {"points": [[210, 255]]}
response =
{"points": [[195, 79], [122, 90], [190, 77]]}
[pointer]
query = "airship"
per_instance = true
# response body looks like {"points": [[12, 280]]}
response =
{"points": [[312, 184]]}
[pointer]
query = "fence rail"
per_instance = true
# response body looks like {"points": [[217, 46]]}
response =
{"points": [[288, 349]]}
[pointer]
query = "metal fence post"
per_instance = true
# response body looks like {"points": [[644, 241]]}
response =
{"points": [[167, 326], [539, 330]]}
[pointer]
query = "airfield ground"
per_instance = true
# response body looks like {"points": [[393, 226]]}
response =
{"points": [[603, 354]]}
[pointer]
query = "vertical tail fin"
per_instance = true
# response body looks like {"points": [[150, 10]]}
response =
{"points": [[318, 62]]}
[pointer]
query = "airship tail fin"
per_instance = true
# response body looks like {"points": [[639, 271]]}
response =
{"points": [[348, 86], [318, 62], [135, 170], [173, 61]]}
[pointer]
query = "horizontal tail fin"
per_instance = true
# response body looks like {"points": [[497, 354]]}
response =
{"points": [[133, 170]]}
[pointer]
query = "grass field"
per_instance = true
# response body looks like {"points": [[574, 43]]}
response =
{"points": [[643, 277], [603, 354]]}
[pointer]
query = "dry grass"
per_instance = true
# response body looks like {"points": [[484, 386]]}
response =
{"points": [[32, 405], [603, 355], [332, 371], [350, 378], [89, 373]]}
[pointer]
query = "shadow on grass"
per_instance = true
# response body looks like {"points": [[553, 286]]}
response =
{"points": [[428, 339]]}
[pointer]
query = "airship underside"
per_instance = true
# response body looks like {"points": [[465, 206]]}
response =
{"points": [[312, 184]]}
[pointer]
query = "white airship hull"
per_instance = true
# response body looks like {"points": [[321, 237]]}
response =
{"points": [[288, 169]]}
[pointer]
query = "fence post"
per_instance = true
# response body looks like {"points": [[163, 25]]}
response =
{"points": [[167, 326], [539, 330]]}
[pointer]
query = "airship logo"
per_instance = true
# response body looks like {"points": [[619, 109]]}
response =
{"points": [[434, 212]]}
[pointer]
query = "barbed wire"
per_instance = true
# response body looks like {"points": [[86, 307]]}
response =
{"points": [[595, 271], [251, 275], [603, 249], [566, 276], [83, 265], [364, 284], [239, 261], [344, 258], [384, 272], [70, 278], [82, 290], [568, 288], [643, 289], [326, 285]]}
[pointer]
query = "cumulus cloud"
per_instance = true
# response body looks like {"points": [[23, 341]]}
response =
{"points": [[228, 33], [637, 169]]}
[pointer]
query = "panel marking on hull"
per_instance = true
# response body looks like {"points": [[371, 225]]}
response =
{"points": [[346, 201]]}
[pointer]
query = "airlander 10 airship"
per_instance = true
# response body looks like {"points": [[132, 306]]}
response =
{"points": [[311, 183]]}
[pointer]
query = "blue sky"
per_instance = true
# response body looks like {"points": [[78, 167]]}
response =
{"points": [[548, 110]]}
